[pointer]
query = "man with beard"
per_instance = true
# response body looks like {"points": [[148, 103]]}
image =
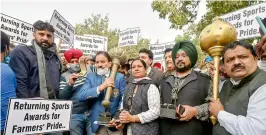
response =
{"points": [[169, 62], [94, 90], [241, 109], [37, 66], [187, 88]]}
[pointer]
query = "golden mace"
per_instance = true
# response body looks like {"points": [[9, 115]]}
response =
{"points": [[118, 57], [213, 38]]}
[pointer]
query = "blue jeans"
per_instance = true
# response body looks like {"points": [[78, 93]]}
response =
{"points": [[80, 122]]}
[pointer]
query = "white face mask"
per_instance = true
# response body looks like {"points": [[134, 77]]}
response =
{"points": [[262, 65], [102, 71]]}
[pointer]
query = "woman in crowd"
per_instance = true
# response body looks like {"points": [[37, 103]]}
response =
{"points": [[141, 104]]}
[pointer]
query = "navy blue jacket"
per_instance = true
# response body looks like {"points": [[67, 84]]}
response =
{"points": [[23, 61]]}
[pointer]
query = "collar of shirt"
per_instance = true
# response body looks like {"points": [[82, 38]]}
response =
{"points": [[234, 82], [148, 70], [139, 79]]}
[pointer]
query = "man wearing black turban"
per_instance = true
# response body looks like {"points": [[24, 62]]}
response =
{"points": [[189, 89]]}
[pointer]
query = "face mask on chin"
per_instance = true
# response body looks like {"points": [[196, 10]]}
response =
{"points": [[102, 71], [74, 68]]}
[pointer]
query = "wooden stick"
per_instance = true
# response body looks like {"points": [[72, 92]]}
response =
{"points": [[59, 44]]}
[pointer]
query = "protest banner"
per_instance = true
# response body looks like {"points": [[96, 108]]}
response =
{"points": [[158, 50], [63, 29], [90, 44], [169, 45], [32, 116], [244, 20], [18, 31], [101, 38], [129, 37], [65, 47], [59, 45]]}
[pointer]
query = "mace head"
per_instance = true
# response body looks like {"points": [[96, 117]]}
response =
{"points": [[118, 53], [215, 36]]}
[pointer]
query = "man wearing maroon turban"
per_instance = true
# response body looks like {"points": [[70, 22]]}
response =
{"points": [[73, 55], [70, 84], [158, 66]]}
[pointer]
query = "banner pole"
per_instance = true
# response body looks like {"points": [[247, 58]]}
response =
{"points": [[59, 44]]}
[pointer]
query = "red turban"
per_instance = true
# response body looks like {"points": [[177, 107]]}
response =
{"points": [[159, 66], [72, 54]]}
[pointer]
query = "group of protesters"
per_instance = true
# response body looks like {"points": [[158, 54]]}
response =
{"points": [[144, 94]]}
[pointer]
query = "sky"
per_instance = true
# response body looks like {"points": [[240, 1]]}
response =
{"points": [[122, 14]]}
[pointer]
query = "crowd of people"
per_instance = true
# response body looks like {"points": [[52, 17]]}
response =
{"points": [[146, 98]]}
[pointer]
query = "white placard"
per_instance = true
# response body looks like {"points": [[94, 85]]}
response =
{"points": [[158, 50], [31, 116], [63, 29], [64, 47], [129, 37], [169, 45], [18, 31], [90, 44], [245, 22]]}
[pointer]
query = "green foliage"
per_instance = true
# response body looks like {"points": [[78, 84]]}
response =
{"points": [[98, 25], [179, 13], [184, 13], [133, 51], [214, 9]]}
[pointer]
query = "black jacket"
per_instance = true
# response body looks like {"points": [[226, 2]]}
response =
{"points": [[192, 92], [23, 61]]}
